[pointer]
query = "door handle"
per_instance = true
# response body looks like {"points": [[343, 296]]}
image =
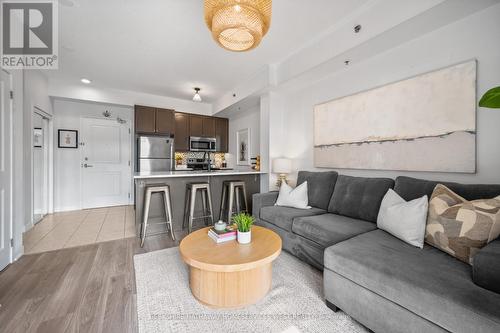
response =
{"points": [[87, 165]]}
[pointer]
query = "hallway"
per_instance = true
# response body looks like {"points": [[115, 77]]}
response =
{"points": [[81, 227]]}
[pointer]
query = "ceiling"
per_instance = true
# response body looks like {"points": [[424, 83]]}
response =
{"points": [[163, 47]]}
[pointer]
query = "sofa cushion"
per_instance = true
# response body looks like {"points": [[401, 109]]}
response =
{"points": [[460, 227], [329, 229], [293, 197], [319, 186], [486, 267], [412, 188], [283, 216], [359, 197], [427, 282]]}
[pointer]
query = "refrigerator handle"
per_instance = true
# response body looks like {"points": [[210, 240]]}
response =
{"points": [[172, 157]]}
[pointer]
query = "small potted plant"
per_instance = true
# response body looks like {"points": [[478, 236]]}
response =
{"points": [[244, 224]]}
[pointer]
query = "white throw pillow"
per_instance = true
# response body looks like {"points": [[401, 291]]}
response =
{"points": [[404, 219], [293, 197]]}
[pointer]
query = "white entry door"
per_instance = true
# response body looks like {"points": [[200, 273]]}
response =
{"points": [[106, 163], [5, 168]]}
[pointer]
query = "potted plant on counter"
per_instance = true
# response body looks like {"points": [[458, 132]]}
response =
{"points": [[244, 224]]}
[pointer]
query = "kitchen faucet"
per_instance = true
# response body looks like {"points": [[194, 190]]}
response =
{"points": [[209, 163]]}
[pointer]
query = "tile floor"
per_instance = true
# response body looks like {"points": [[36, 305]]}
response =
{"points": [[81, 227]]}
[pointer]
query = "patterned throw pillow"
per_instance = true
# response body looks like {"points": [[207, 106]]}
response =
{"points": [[460, 227]]}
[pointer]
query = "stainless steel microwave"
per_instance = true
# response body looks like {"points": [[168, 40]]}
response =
{"points": [[202, 144]]}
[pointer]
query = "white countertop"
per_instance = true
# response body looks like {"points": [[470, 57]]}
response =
{"points": [[187, 173]]}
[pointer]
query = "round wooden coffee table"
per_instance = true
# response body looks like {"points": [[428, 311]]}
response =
{"points": [[230, 275]]}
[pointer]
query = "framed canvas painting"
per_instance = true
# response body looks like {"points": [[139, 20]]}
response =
{"points": [[423, 123], [243, 147], [37, 137], [67, 138]]}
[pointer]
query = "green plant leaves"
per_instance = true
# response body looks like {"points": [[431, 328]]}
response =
{"points": [[243, 221], [491, 99]]}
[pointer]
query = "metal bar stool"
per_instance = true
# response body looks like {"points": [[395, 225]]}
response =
{"points": [[236, 189], [149, 191], [190, 204]]}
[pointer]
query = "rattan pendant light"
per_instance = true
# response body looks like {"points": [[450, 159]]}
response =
{"points": [[238, 25]]}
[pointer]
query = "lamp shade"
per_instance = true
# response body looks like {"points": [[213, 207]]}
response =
{"points": [[238, 25], [282, 165]]}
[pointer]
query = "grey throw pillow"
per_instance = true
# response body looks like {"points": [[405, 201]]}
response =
{"points": [[403, 219]]}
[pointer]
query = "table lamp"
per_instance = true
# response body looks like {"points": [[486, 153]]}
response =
{"points": [[282, 166]]}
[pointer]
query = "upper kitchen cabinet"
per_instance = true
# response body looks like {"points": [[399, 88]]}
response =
{"points": [[209, 127], [145, 119], [195, 125], [150, 120], [157, 121], [165, 121], [202, 126], [222, 134], [181, 131]]}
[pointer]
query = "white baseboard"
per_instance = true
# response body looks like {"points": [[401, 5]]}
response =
{"points": [[66, 209]]}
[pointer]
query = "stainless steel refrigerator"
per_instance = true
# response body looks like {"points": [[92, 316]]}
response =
{"points": [[155, 153]]}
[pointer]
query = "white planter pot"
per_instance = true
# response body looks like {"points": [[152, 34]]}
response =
{"points": [[244, 237]]}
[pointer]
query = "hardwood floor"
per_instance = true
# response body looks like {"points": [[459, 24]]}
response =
{"points": [[81, 289]]}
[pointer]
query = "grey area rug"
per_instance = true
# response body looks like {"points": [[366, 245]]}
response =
{"points": [[294, 304]]}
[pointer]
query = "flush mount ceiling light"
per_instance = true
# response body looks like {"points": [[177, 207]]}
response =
{"points": [[86, 81], [197, 97], [238, 25]]}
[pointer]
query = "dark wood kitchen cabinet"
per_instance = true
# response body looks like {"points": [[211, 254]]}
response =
{"points": [[165, 121], [222, 134], [145, 119], [156, 121], [181, 131], [209, 127], [195, 125], [202, 126], [151, 120]]}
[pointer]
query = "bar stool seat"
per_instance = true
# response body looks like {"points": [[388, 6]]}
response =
{"points": [[236, 189], [190, 203], [149, 191]]}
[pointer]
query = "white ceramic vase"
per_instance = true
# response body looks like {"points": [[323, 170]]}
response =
{"points": [[244, 237]]}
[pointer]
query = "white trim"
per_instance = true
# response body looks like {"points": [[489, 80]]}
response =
{"points": [[9, 117]]}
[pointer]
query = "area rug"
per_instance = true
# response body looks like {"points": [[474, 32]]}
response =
{"points": [[294, 304]]}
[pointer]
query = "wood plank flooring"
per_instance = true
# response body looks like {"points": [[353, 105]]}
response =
{"points": [[89, 288]]}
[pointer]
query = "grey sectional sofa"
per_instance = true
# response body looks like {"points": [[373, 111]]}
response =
{"points": [[384, 283]]}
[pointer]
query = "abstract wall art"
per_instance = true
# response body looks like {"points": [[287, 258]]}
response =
{"points": [[243, 147], [424, 123]]}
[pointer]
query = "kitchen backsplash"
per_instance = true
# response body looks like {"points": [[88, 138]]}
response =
{"points": [[183, 156]]}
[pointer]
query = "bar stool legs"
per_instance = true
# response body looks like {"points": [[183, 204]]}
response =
{"points": [[168, 211], [233, 191], [144, 224], [167, 202], [190, 205]]}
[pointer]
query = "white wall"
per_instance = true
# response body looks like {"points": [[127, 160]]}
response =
{"points": [[245, 118], [473, 37], [67, 168], [19, 217], [92, 93]]}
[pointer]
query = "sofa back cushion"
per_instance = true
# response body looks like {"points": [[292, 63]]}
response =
{"points": [[411, 188], [319, 186], [359, 197]]}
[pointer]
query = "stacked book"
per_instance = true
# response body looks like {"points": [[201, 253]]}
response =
{"points": [[222, 236]]}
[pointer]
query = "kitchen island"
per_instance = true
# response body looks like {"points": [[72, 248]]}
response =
{"points": [[177, 181]]}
